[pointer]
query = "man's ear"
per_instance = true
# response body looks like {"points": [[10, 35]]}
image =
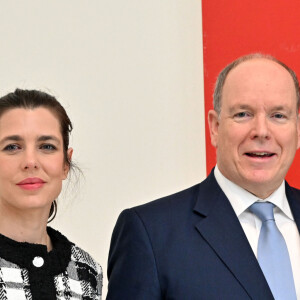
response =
{"points": [[298, 131], [213, 122], [67, 166]]}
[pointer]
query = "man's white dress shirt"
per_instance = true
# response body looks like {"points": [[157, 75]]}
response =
{"points": [[241, 200]]}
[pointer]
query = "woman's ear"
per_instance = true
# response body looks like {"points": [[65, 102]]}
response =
{"points": [[67, 166]]}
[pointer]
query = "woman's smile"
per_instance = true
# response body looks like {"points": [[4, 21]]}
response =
{"points": [[31, 183]]}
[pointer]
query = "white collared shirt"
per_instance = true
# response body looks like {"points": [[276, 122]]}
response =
{"points": [[241, 199]]}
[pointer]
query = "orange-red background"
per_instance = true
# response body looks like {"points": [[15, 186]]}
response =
{"points": [[233, 28]]}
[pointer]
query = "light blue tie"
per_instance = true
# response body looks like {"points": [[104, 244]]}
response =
{"points": [[273, 255]]}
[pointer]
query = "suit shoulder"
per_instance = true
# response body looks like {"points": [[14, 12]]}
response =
{"points": [[292, 191], [179, 201], [170, 209], [295, 190]]}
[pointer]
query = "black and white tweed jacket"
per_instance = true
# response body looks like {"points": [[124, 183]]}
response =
{"points": [[28, 271]]}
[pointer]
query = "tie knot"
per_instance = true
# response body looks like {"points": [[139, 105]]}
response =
{"points": [[263, 210]]}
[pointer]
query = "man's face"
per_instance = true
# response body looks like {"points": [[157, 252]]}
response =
{"points": [[256, 134]]}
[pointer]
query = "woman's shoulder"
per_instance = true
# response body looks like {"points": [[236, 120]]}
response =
{"points": [[80, 256], [77, 254], [83, 275]]}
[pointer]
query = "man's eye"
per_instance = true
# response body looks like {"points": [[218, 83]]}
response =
{"points": [[11, 147], [241, 114], [279, 116]]}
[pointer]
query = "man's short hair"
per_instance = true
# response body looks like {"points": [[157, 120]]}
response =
{"points": [[217, 96]]}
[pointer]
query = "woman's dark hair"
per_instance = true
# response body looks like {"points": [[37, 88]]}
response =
{"points": [[30, 99]]}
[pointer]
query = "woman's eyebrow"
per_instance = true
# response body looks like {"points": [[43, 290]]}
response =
{"points": [[15, 138], [44, 138]]}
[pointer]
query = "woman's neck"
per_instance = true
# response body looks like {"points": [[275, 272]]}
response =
{"points": [[30, 227]]}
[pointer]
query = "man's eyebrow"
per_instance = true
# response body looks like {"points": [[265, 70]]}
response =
{"points": [[246, 106], [239, 106], [279, 107], [44, 138], [286, 110]]}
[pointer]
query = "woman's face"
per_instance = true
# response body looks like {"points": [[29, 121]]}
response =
{"points": [[32, 164]]}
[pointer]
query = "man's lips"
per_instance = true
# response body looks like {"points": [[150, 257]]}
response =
{"points": [[31, 183], [260, 154]]}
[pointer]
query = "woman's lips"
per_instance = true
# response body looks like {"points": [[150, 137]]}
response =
{"points": [[33, 183]]}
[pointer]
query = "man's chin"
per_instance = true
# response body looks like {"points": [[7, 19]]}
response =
{"points": [[261, 184]]}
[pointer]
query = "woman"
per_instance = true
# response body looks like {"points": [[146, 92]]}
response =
{"points": [[36, 261]]}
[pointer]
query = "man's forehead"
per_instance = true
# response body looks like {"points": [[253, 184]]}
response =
{"points": [[257, 66], [256, 73], [259, 79]]}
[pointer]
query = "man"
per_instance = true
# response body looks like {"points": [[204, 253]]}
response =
{"points": [[203, 243]]}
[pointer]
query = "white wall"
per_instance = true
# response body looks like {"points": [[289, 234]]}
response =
{"points": [[130, 76]]}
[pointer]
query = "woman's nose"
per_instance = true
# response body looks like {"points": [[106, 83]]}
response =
{"points": [[30, 160]]}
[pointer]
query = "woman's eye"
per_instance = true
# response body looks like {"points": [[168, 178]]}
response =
{"points": [[12, 147], [48, 147]]}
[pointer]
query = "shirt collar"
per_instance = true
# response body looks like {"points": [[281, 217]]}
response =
{"points": [[241, 199]]}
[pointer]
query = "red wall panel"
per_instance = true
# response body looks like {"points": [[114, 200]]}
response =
{"points": [[233, 28]]}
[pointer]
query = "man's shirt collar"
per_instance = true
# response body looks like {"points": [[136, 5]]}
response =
{"points": [[241, 199]]}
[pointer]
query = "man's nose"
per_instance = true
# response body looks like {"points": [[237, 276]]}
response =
{"points": [[260, 129]]}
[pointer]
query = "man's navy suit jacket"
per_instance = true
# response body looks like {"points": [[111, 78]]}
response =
{"points": [[189, 245]]}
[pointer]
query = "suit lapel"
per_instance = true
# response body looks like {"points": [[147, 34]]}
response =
{"points": [[221, 229], [293, 197]]}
